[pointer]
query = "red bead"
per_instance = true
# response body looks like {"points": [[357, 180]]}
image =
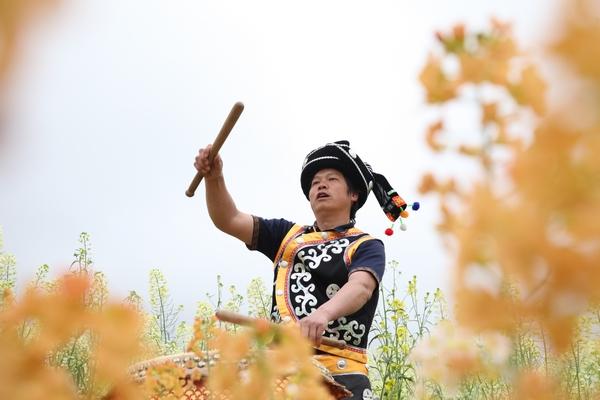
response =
{"points": [[389, 231]]}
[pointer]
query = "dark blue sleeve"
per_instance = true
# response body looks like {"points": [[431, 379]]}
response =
{"points": [[268, 235], [370, 257]]}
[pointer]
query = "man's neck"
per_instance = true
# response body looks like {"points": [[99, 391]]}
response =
{"points": [[330, 222]]}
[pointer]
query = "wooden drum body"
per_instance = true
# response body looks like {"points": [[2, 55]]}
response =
{"points": [[197, 369]]}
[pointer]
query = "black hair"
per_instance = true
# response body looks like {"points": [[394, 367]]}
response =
{"points": [[351, 189]]}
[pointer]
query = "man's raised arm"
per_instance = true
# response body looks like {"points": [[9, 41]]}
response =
{"points": [[221, 207]]}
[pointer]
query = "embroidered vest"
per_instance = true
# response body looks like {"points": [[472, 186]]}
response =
{"points": [[309, 269]]}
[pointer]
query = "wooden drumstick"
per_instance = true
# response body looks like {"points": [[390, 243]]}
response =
{"points": [[232, 118], [238, 319]]}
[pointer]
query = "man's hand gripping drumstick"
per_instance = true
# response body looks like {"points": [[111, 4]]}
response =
{"points": [[238, 319], [211, 153]]}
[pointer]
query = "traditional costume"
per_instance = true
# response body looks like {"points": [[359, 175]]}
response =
{"points": [[311, 265]]}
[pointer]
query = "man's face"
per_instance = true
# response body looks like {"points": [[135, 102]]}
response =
{"points": [[329, 192]]}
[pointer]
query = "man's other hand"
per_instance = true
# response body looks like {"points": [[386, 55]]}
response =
{"points": [[313, 326]]}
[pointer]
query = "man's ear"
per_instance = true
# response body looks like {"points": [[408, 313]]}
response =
{"points": [[354, 197]]}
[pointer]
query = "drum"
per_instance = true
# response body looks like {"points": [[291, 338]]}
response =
{"points": [[196, 370]]}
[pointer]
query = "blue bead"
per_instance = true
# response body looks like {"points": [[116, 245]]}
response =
{"points": [[416, 205]]}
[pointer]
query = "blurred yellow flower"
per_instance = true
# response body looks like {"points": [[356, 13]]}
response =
{"points": [[433, 132], [533, 223], [438, 86], [473, 151], [246, 368], [530, 90], [489, 113], [428, 183], [578, 45], [60, 317], [532, 385], [452, 353], [14, 16]]}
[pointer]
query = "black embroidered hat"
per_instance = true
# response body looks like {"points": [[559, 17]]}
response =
{"points": [[339, 156]]}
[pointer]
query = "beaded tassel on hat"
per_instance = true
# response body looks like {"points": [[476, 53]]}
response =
{"points": [[403, 214], [391, 203]]}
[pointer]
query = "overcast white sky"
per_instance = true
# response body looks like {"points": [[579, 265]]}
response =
{"points": [[113, 98]]}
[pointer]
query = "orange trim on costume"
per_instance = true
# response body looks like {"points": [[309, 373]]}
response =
{"points": [[350, 250], [352, 353], [280, 287], [340, 365], [294, 230]]}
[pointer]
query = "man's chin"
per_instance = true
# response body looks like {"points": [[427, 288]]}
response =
{"points": [[323, 207]]}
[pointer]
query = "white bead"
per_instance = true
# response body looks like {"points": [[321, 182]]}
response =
{"points": [[299, 239], [287, 318], [283, 264], [279, 292], [403, 227], [324, 235], [341, 364]]}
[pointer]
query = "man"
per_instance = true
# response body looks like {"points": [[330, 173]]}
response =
{"points": [[325, 274]]}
